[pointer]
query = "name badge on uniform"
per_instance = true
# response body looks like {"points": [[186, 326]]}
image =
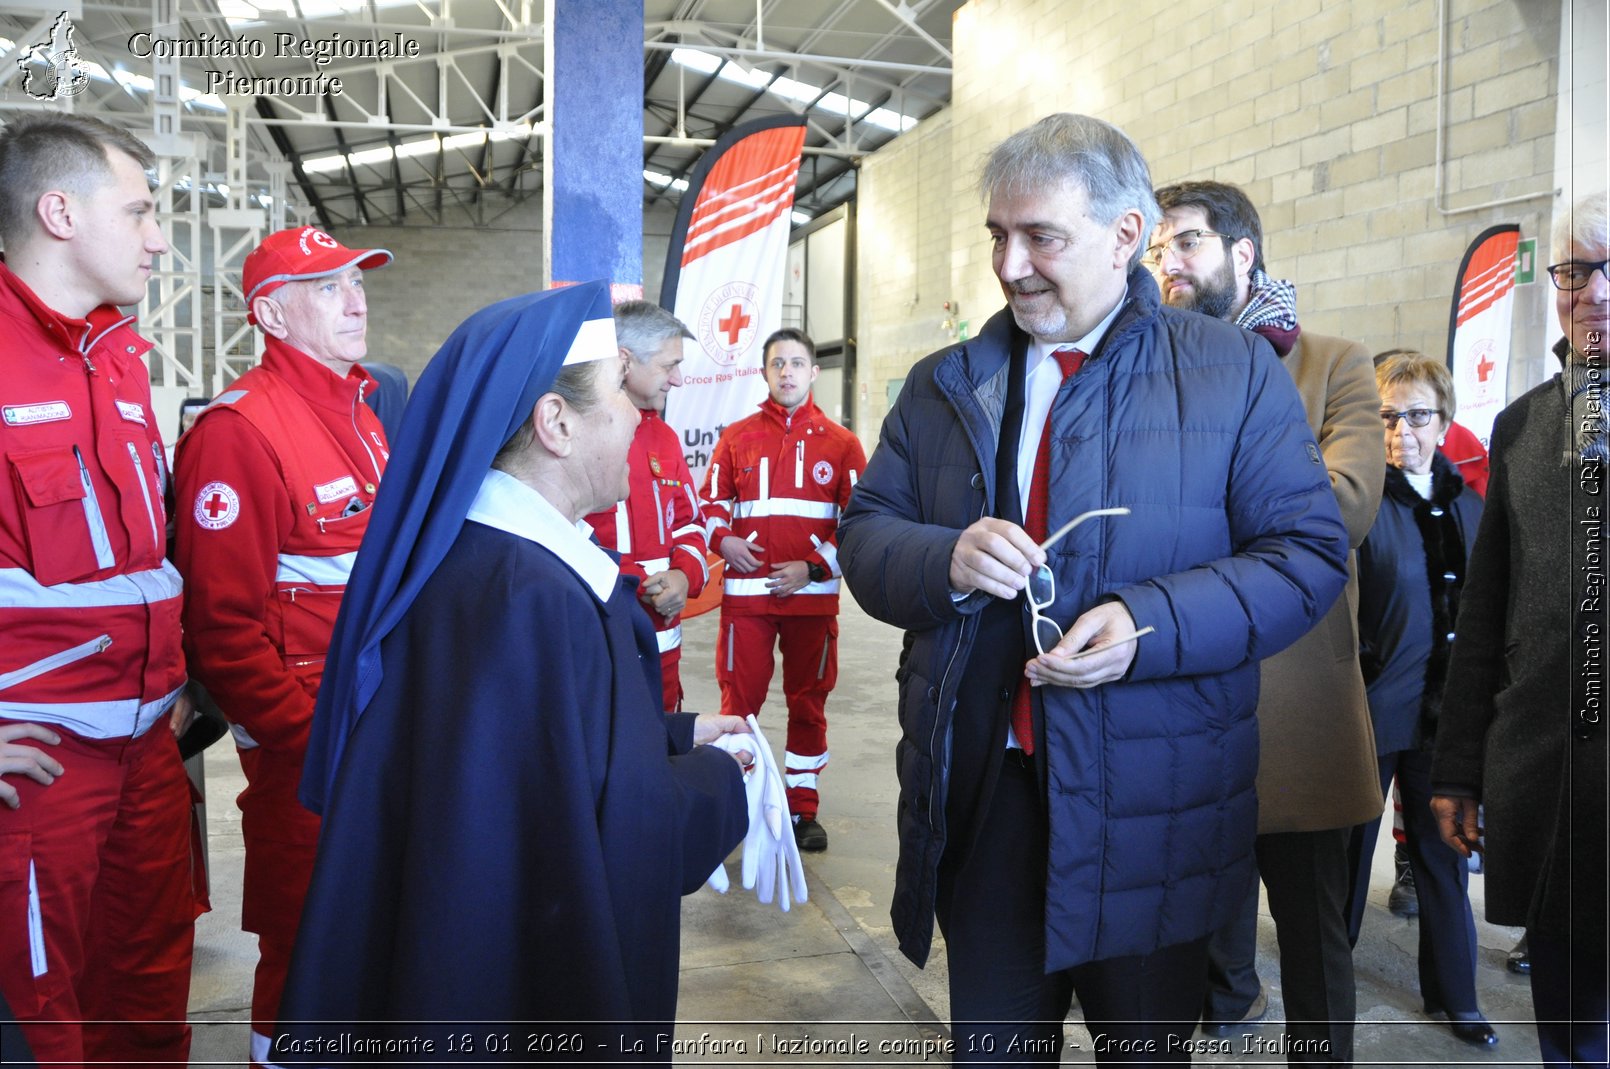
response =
{"points": [[43, 412], [344, 487], [132, 412]]}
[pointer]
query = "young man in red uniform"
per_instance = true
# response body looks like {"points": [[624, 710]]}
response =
{"points": [[772, 497], [97, 908], [274, 484], [658, 527]]}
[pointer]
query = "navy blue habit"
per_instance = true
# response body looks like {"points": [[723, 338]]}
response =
{"points": [[509, 818], [510, 834]]}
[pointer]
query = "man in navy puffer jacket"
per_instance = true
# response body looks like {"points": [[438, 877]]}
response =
{"points": [[1085, 834]]}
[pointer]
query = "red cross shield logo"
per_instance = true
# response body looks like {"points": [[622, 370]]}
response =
{"points": [[822, 473], [217, 506], [729, 322]]}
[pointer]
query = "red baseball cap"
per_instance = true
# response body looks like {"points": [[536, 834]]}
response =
{"points": [[298, 254]]}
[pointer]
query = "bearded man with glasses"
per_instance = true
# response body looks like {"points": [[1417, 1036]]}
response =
{"points": [[1317, 775], [1080, 820]]}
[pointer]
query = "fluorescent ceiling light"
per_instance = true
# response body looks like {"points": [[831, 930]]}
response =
{"points": [[793, 91]]}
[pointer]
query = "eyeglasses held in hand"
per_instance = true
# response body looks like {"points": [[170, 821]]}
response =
{"points": [[1574, 274], [1184, 245], [1417, 417], [1041, 591]]}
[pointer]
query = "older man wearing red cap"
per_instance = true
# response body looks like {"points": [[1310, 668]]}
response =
{"points": [[274, 483]]}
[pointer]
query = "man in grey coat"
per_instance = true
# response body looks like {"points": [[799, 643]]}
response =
{"points": [[1317, 775]]}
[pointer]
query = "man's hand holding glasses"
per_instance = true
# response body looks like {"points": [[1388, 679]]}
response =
{"points": [[999, 558], [995, 556], [1097, 648]]}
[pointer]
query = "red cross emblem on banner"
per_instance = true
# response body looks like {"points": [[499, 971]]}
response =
{"points": [[729, 322], [733, 326]]}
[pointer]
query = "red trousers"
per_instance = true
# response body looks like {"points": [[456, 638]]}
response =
{"points": [[97, 903], [744, 661], [281, 843], [671, 680]]}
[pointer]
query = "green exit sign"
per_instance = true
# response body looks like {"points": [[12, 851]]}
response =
{"points": [[1526, 262]]}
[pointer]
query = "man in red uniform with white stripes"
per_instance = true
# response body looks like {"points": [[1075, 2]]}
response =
{"points": [[97, 905], [274, 484], [658, 528], [772, 496]]}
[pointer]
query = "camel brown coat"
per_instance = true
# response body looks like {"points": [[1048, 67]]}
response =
{"points": [[1317, 767]]}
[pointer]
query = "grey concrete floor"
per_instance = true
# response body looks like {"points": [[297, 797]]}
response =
{"points": [[759, 985]]}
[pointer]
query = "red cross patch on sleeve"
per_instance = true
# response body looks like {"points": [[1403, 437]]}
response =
{"points": [[217, 506]]}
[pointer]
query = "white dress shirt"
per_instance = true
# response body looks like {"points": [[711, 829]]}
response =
{"points": [[1042, 380]]}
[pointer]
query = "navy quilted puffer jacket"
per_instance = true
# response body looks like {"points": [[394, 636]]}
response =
{"points": [[1233, 550]]}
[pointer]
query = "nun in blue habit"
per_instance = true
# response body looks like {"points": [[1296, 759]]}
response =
{"points": [[509, 819]]}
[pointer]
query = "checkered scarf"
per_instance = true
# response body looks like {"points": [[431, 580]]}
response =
{"points": [[1272, 303]]}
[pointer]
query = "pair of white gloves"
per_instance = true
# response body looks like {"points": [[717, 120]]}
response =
{"points": [[771, 865]]}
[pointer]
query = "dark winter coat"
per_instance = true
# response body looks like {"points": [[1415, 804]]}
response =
{"points": [[1511, 731], [1233, 549], [1411, 570]]}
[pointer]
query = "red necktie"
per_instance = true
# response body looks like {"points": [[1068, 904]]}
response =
{"points": [[1034, 522]]}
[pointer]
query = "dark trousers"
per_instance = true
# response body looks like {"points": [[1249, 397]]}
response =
{"points": [[1441, 880], [1569, 1000], [1005, 1009], [1306, 876]]}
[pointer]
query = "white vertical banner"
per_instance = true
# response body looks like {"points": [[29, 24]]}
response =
{"points": [[725, 274], [1479, 328]]}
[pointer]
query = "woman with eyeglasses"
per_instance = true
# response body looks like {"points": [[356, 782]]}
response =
{"points": [[1522, 733], [1411, 569]]}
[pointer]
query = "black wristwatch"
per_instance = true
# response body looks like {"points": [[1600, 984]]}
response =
{"points": [[816, 571]]}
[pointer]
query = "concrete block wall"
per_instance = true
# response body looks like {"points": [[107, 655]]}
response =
{"points": [[903, 266], [1324, 111], [442, 274]]}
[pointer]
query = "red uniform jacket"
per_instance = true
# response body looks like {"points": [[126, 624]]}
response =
{"points": [[660, 524], [781, 481], [1468, 455], [88, 606], [274, 482]]}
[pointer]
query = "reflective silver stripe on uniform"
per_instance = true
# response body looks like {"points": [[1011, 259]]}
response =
{"points": [[242, 738], [654, 565], [145, 492], [802, 771], [852, 478], [729, 647], [36, 927], [659, 511], [765, 478], [669, 640], [829, 554], [94, 720], [711, 526], [696, 555], [786, 506], [316, 571], [757, 587], [92, 516], [623, 528], [57, 660], [799, 466], [228, 397], [20, 590]]}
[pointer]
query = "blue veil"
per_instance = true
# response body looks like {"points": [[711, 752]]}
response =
{"points": [[475, 393]]}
